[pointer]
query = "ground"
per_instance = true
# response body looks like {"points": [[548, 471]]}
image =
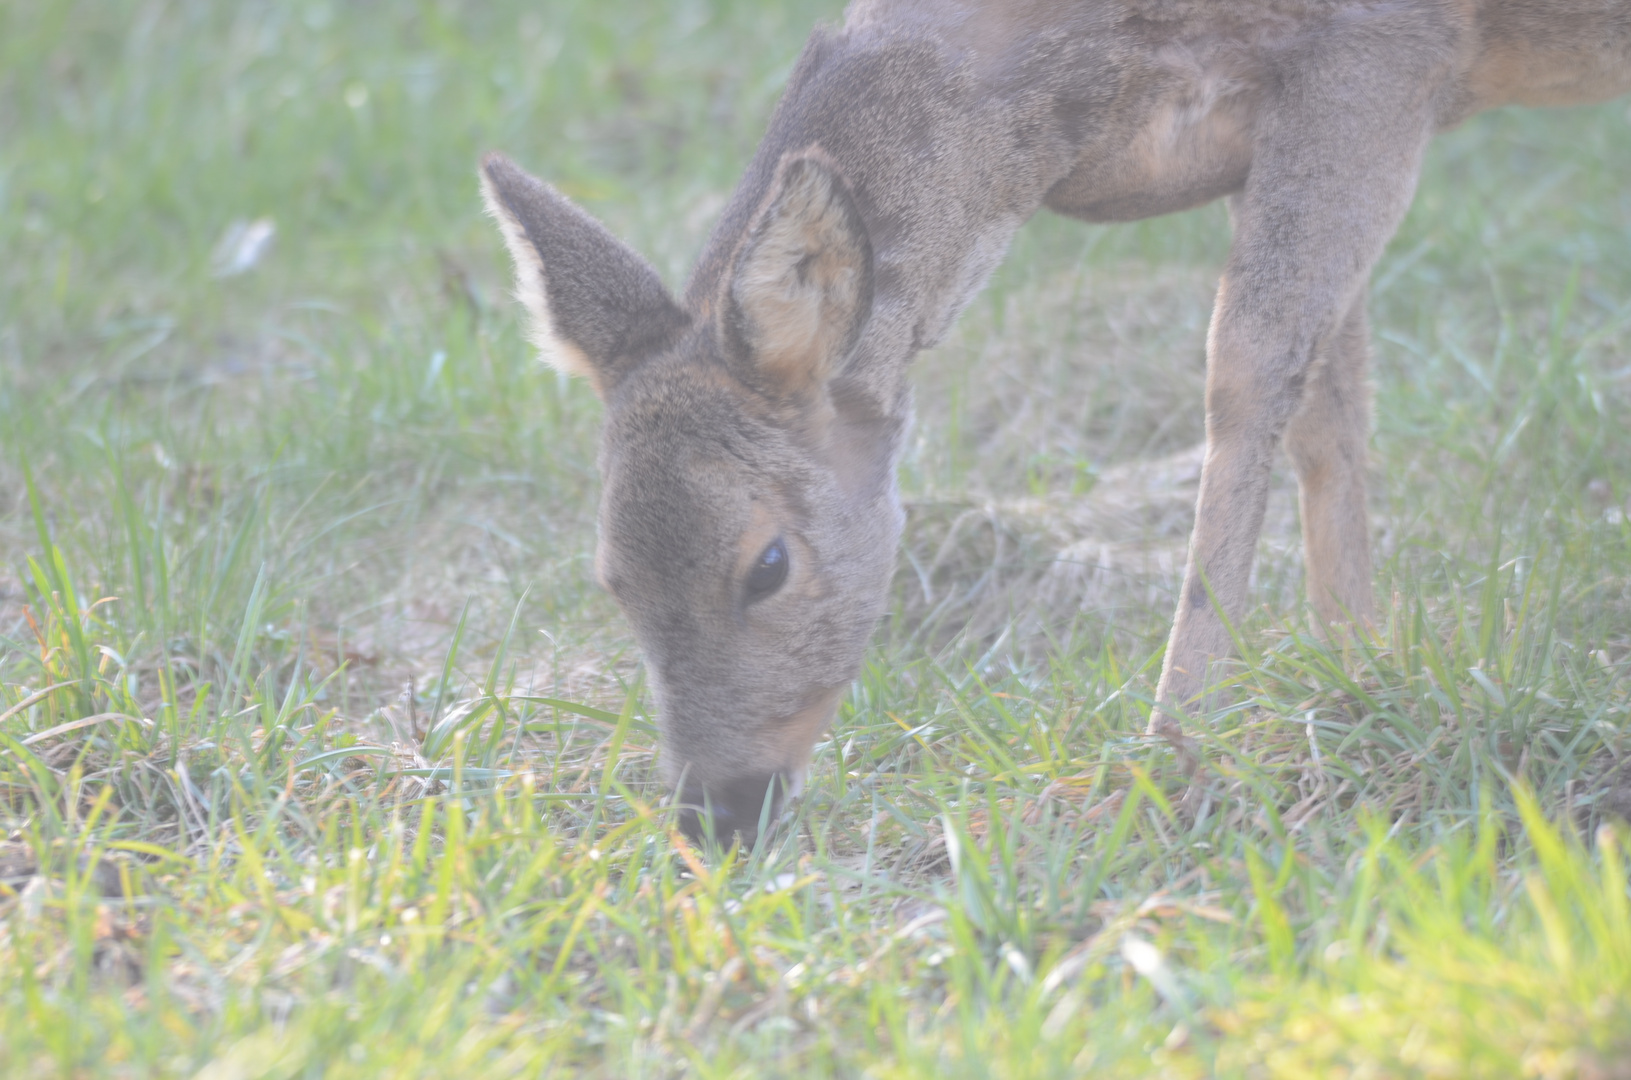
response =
{"points": [[321, 753]]}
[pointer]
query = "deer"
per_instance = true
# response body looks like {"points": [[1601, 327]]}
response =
{"points": [[749, 513]]}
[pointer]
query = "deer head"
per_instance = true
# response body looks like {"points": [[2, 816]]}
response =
{"points": [[748, 517]]}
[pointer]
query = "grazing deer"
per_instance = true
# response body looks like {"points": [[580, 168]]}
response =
{"points": [[750, 516]]}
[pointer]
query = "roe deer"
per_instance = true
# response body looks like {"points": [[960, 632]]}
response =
{"points": [[749, 517]]}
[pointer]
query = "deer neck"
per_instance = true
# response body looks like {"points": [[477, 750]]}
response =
{"points": [[945, 163]]}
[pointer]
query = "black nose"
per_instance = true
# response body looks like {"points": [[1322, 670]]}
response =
{"points": [[725, 811]]}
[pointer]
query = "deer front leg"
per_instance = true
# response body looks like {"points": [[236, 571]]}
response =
{"points": [[1326, 442], [1249, 400], [1335, 160], [1317, 398]]}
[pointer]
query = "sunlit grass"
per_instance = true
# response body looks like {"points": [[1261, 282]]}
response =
{"points": [[321, 754]]}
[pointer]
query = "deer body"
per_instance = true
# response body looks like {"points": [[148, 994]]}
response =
{"points": [[749, 518]]}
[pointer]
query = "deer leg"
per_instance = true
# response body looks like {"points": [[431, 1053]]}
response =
{"points": [[1249, 401], [1326, 441], [1335, 158]]}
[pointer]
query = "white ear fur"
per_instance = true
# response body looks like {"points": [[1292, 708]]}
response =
{"points": [[802, 286], [530, 289]]}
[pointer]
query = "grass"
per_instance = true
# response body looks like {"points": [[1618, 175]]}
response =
{"points": [[320, 754]]}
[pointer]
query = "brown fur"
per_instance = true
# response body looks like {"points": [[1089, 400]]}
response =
{"points": [[909, 146], [803, 281]]}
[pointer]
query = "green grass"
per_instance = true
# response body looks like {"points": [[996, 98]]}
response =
{"points": [[321, 754]]}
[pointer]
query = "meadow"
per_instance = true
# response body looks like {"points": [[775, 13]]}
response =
{"points": [[321, 754]]}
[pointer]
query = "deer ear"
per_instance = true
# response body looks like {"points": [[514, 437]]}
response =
{"points": [[801, 289], [597, 309]]}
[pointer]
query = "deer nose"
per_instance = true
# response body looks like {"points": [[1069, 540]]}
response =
{"points": [[723, 811]]}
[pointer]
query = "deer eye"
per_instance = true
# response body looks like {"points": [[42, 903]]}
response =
{"points": [[769, 572]]}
